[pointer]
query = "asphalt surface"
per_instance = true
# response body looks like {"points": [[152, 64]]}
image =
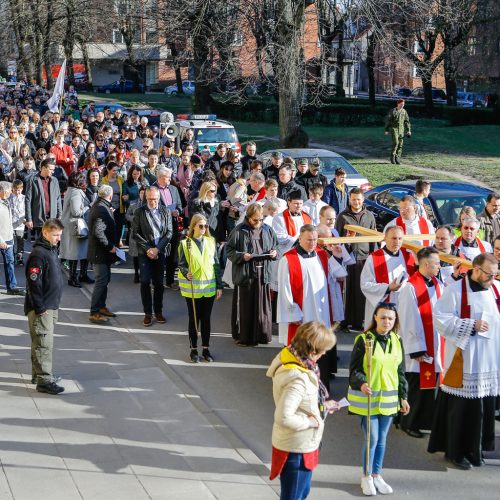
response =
{"points": [[236, 392]]}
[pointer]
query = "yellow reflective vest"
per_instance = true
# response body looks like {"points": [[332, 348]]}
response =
{"points": [[201, 265], [384, 380]]}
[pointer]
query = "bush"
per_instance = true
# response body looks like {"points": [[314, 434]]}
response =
{"points": [[352, 113]]}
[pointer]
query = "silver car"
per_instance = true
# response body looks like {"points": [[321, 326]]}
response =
{"points": [[329, 162]]}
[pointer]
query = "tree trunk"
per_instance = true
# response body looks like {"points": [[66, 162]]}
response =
{"points": [[202, 99], [177, 69], [69, 40], [370, 65], [339, 74], [86, 62], [47, 62], [289, 30], [450, 72]]}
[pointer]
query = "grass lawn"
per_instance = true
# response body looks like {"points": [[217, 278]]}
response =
{"points": [[472, 151]]}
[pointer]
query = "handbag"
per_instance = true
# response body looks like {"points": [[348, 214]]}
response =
{"points": [[81, 229]]}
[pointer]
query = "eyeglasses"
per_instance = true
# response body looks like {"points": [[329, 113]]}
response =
{"points": [[212, 190], [490, 275], [256, 220], [203, 226]]}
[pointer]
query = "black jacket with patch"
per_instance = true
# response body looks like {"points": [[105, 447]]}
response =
{"points": [[44, 281]]}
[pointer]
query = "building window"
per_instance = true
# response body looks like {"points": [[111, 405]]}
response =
{"points": [[414, 72], [238, 39], [117, 36], [416, 48], [151, 36], [472, 46]]}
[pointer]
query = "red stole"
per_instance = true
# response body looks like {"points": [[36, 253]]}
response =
{"points": [[479, 244], [297, 283], [380, 265], [289, 224], [260, 195], [427, 370], [422, 225]]}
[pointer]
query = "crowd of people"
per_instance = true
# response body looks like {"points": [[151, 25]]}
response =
{"points": [[87, 187]]}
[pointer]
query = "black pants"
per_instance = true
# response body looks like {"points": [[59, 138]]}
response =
{"points": [[172, 260], [203, 312], [19, 244], [152, 272]]}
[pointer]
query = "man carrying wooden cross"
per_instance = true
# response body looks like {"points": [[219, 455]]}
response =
{"points": [[386, 271]]}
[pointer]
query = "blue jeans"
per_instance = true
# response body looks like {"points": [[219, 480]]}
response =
{"points": [[379, 427], [8, 264], [295, 479], [102, 274]]}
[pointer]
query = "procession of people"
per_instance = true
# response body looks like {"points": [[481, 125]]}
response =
{"points": [[426, 349]]}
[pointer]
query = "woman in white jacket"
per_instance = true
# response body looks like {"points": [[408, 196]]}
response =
{"points": [[301, 403]]}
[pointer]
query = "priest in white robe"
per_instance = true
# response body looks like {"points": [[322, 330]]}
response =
{"points": [[303, 291], [386, 272], [410, 221], [421, 341], [468, 316], [468, 243]]}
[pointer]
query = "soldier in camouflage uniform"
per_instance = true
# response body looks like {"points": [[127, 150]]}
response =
{"points": [[397, 124]]}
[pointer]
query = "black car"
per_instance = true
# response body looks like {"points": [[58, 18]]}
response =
{"points": [[117, 87], [443, 205]]}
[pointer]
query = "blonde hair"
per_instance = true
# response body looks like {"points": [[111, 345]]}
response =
{"points": [[196, 219], [469, 212], [205, 188], [313, 338]]}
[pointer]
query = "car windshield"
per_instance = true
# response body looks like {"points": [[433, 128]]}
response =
{"points": [[449, 208], [330, 163], [215, 135]]}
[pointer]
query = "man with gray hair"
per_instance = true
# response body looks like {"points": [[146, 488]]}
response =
{"points": [[468, 242], [101, 252], [410, 222], [7, 240]]}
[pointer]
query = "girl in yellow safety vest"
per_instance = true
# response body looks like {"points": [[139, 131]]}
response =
{"points": [[387, 391], [200, 282]]}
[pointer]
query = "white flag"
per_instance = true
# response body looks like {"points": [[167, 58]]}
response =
{"points": [[53, 102]]}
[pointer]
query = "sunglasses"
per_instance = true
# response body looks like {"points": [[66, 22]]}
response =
{"points": [[203, 226], [213, 190], [386, 305]]}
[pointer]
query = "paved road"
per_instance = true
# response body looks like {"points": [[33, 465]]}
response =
{"points": [[139, 421]]}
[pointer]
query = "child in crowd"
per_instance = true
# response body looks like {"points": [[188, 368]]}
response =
{"points": [[17, 208], [314, 204]]}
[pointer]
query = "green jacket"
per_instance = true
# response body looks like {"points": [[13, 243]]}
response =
{"points": [[398, 119]]}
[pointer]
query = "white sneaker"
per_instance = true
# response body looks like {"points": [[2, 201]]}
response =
{"points": [[367, 486], [382, 486]]}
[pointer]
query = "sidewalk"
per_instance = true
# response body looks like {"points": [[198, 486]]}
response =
{"points": [[126, 426]]}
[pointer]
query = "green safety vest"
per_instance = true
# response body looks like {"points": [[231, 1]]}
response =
{"points": [[201, 266], [384, 382]]}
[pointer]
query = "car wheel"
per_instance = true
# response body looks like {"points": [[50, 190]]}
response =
{"points": [[173, 93]]}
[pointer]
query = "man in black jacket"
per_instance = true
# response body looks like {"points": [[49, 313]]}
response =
{"points": [[152, 229], [44, 286], [101, 252]]}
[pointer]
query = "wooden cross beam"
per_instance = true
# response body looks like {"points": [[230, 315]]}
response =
{"points": [[373, 236]]}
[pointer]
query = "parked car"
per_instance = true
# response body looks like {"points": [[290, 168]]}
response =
{"points": [[153, 115], [443, 205], [116, 87], [404, 92], [99, 106], [469, 99], [437, 94], [329, 161], [187, 88]]}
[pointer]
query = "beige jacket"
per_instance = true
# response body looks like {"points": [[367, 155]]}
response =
{"points": [[295, 392]]}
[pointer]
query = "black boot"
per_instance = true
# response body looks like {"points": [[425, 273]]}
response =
{"points": [[84, 277], [73, 277], [136, 270]]}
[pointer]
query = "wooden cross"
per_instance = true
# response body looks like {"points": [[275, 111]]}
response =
{"points": [[373, 236]]}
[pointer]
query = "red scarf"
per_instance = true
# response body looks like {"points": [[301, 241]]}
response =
{"points": [[479, 244], [380, 266], [427, 370], [260, 195], [422, 225], [290, 225], [297, 283]]}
